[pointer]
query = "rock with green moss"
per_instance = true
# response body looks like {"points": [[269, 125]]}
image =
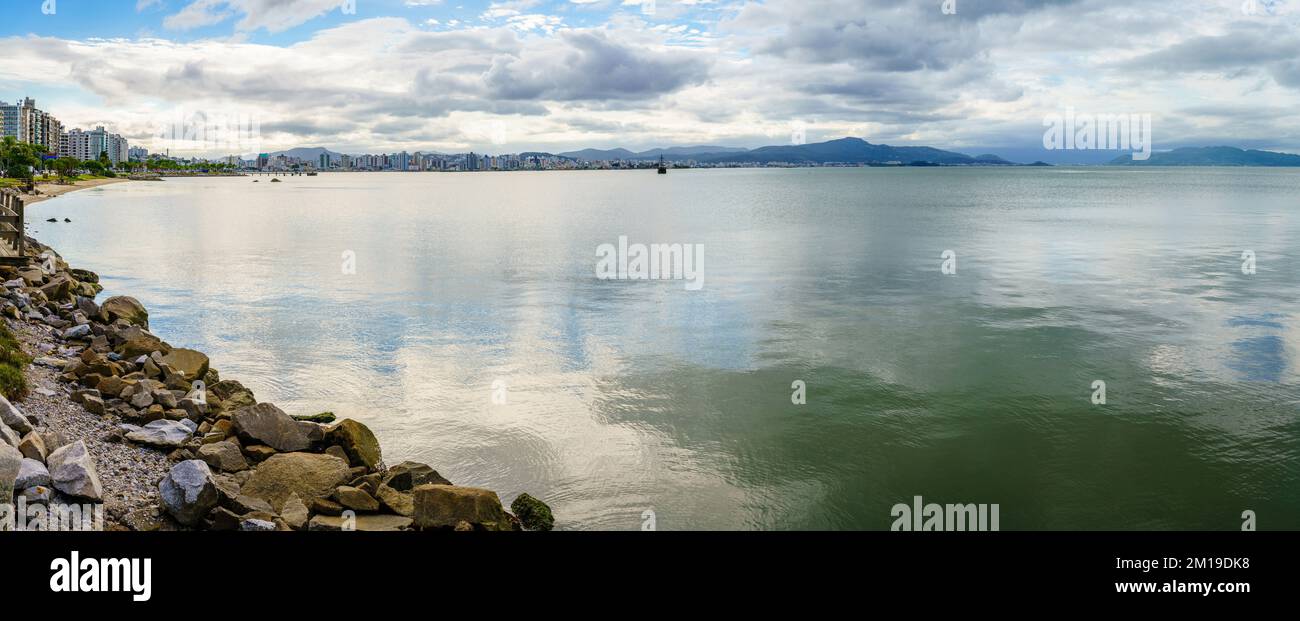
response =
{"points": [[533, 513], [323, 417]]}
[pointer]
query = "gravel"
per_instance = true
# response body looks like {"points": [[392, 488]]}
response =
{"points": [[129, 473]]}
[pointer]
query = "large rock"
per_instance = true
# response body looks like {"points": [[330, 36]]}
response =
{"points": [[192, 364], [360, 443], [266, 424], [72, 470], [9, 436], [125, 307], [356, 499], [13, 417], [161, 434], [11, 463], [401, 503], [139, 342], [188, 492], [224, 456], [533, 513], [309, 475], [443, 506], [409, 475], [32, 446], [32, 473], [231, 394]]}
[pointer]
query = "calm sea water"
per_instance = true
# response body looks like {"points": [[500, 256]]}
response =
{"points": [[624, 396]]}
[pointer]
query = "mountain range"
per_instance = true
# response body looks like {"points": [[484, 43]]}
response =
{"points": [[1211, 156]]}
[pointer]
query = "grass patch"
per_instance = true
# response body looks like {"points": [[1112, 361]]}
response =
{"points": [[13, 382]]}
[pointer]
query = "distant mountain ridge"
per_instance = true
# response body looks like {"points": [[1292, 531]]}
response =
{"points": [[843, 151], [1211, 156], [652, 154]]}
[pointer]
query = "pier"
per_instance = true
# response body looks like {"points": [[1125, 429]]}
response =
{"points": [[11, 226]]}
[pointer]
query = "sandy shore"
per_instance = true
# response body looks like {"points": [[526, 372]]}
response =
{"points": [[46, 191]]}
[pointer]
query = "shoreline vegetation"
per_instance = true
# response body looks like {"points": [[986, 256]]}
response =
{"points": [[110, 416]]}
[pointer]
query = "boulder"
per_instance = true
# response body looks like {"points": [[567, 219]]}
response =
{"points": [[257, 525], [533, 513], [356, 499], [72, 471], [125, 307], [58, 288], [32, 446], [224, 456], [192, 364], [10, 437], [408, 475], [442, 506], [13, 417], [231, 395], [360, 443], [141, 396], [161, 434], [32, 473], [365, 523], [94, 405], [37, 495], [401, 503], [11, 463], [266, 424], [77, 332], [136, 341], [309, 475], [323, 417], [188, 492], [295, 513]]}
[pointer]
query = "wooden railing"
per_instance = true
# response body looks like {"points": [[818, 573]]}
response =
{"points": [[11, 223]]}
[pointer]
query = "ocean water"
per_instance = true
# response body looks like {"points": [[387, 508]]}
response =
{"points": [[628, 396]]}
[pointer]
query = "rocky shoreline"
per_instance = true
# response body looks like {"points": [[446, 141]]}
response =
{"points": [[152, 435]]}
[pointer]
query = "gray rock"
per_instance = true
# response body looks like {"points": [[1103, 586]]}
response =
{"points": [[72, 470], [31, 474], [9, 436], [142, 398], [12, 416], [11, 463], [266, 424], [77, 332], [256, 525], [161, 434], [188, 492], [38, 495]]}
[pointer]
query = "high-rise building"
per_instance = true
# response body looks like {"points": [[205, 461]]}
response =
{"points": [[89, 145], [28, 124], [137, 154]]}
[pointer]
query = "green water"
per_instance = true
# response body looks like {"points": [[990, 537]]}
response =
{"points": [[627, 396]]}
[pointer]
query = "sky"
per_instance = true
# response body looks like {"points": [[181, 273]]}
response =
{"points": [[213, 77]]}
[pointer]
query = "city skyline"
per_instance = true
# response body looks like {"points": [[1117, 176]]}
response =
{"points": [[393, 75]]}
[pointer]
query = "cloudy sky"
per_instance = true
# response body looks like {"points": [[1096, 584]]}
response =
{"points": [[453, 75]]}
